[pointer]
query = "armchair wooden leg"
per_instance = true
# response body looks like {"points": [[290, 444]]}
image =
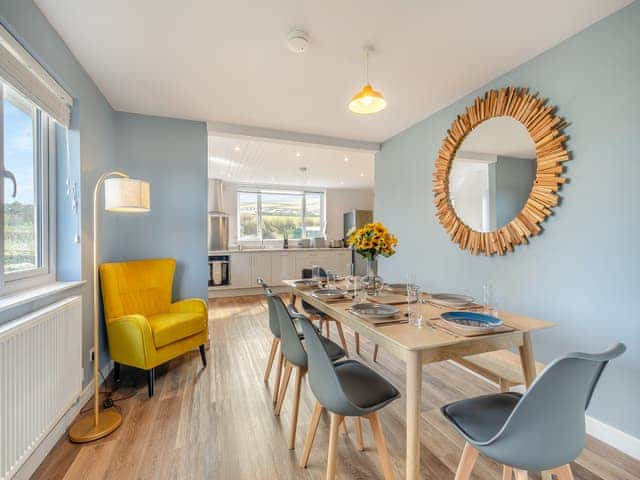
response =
{"points": [[203, 356], [380, 445], [311, 434], [507, 472], [467, 462], [300, 372], [359, 437], [343, 341], [276, 385], [151, 381], [116, 372], [563, 473], [283, 388], [336, 420], [375, 353], [272, 355]]}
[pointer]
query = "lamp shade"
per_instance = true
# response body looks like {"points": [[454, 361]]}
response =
{"points": [[367, 101], [126, 195]]}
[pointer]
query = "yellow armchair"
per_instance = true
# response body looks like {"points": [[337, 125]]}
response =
{"points": [[144, 329]]}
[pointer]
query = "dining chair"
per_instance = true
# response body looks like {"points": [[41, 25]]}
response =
{"points": [[295, 357], [323, 318], [346, 389], [513, 429]]}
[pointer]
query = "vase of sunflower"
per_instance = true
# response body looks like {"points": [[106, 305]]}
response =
{"points": [[371, 241]]}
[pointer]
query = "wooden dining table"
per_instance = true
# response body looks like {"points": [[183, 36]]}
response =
{"points": [[419, 346]]}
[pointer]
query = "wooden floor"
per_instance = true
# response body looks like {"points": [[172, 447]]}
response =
{"points": [[217, 423]]}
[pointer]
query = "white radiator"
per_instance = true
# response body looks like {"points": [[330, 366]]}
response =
{"points": [[40, 377]]}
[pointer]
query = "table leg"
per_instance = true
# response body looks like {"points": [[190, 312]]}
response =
{"points": [[527, 359], [414, 402]]}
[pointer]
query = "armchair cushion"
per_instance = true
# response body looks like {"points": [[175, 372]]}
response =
{"points": [[171, 327]]}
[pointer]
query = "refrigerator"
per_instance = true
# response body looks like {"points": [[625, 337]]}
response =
{"points": [[357, 219]]}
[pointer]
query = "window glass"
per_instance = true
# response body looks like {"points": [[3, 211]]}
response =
{"points": [[21, 243], [281, 212], [313, 215], [247, 216]]}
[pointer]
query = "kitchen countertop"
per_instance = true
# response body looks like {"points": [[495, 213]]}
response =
{"points": [[276, 249]]}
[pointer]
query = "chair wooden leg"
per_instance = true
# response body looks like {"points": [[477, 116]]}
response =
{"points": [[300, 372], [563, 473], [311, 434], [327, 332], [507, 472], [276, 385], [357, 340], [203, 355], [283, 387], [375, 353], [380, 445], [272, 355], [521, 474], [359, 436], [504, 385], [546, 475], [343, 341], [467, 462], [151, 381], [336, 420]]}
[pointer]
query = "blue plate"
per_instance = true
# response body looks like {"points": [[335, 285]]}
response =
{"points": [[471, 321]]}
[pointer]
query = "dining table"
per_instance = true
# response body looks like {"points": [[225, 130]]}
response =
{"points": [[417, 346]]}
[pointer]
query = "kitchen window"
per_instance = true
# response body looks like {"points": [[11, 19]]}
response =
{"points": [[26, 136], [269, 214]]}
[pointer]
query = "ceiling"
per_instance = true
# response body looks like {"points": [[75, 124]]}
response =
{"points": [[503, 136], [227, 61], [266, 162]]}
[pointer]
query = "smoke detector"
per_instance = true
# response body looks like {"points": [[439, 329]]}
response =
{"points": [[298, 40]]}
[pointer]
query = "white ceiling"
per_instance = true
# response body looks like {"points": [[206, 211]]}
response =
{"points": [[228, 61], [266, 162], [500, 136]]}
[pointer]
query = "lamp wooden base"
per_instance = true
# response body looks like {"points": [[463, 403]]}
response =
{"points": [[85, 429]]}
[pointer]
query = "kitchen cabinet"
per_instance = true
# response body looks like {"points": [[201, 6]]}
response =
{"points": [[247, 267], [283, 267]]}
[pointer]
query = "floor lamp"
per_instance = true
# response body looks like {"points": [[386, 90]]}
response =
{"points": [[125, 195]]}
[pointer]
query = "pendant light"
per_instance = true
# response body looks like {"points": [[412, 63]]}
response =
{"points": [[367, 100]]}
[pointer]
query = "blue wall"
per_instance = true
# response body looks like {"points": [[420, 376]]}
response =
{"points": [[172, 155], [582, 272]]}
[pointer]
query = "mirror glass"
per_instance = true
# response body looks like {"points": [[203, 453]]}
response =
{"points": [[492, 174]]}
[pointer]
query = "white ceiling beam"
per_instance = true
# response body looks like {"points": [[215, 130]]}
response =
{"points": [[269, 134]]}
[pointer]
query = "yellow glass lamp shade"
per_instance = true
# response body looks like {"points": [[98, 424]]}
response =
{"points": [[126, 195], [367, 101]]}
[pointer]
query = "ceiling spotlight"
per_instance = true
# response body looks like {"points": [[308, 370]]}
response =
{"points": [[341, 182], [346, 159], [236, 148], [362, 174], [298, 40], [298, 154]]}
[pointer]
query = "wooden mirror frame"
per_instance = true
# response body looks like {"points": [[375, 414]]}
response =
{"points": [[545, 129]]}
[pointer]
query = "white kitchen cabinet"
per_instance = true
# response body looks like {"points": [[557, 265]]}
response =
{"points": [[283, 267], [247, 267]]}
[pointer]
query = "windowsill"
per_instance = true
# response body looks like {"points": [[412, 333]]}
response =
{"points": [[22, 297]]}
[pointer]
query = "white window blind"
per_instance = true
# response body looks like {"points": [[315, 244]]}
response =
{"points": [[20, 70]]}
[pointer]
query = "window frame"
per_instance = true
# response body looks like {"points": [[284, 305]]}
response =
{"points": [[279, 191], [44, 171]]}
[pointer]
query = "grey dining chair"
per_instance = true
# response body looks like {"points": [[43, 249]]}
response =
{"points": [[346, 389], [295, 357], [274, 326], [514, 429], [322, 317]]}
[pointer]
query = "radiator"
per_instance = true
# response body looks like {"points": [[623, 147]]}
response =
{"points": [[40, 377]]}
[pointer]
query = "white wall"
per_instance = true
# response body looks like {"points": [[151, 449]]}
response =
{"points": [[338, 201]]}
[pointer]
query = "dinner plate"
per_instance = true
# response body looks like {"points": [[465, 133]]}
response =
{"points": [[471, 322], [328, 293], [306, 282], [399, 288], [450, 299], [375, 310]]}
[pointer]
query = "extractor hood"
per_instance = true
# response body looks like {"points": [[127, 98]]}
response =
{"points": [[215, 198]]}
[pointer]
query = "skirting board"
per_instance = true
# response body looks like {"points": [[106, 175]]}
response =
{"points": [[60, 429], [241, 292], [604, 432]]}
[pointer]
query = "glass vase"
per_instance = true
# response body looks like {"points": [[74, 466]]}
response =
{"points": [[372, 282]]}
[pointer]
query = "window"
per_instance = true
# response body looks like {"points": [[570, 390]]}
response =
{"points": [[269, 214], [24, 163]]}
